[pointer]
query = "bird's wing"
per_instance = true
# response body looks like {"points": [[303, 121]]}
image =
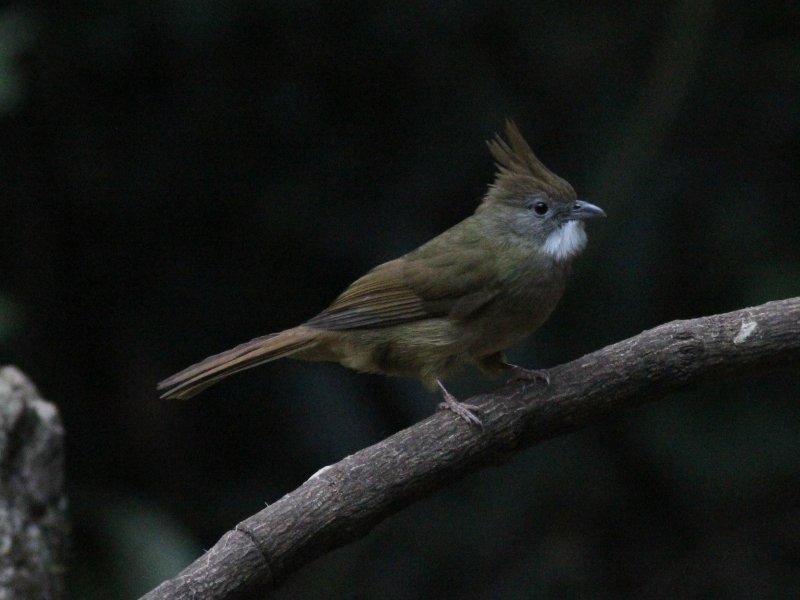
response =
{"points": [[415, 287]]}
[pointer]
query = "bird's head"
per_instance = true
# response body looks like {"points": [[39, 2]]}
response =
{"points": [[528, 200]]}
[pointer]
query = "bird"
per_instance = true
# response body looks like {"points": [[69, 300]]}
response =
{"points": [[462, 298]]}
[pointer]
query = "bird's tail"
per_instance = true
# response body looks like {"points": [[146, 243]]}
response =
{"points": [[198, 377]]}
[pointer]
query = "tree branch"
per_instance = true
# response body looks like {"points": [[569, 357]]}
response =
{"points": [[342, 502]]}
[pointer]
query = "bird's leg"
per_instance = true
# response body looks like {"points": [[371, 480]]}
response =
{"points": [[462, 409], [495, 364]]}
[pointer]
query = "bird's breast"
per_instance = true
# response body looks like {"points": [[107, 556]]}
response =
{"points": [[522, 306]]}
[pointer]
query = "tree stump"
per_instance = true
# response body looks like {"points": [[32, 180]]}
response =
{"points": [[33, 506]]}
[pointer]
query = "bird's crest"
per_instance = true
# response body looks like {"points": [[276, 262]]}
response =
{"points": [[520, 172]]}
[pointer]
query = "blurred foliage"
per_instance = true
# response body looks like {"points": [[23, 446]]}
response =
{"points": [[10, 319], [180, 176], [119, 533], [16, 36]]}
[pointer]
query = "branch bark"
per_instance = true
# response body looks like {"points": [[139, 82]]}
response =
{"points": [[342, 502]]}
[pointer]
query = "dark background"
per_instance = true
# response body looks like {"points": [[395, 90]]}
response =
{"points": [[177, 177]]}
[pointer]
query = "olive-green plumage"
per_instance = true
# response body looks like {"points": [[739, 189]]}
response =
{"points": [[463, 297]]}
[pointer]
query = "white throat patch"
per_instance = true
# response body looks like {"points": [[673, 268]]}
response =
{"points": [[566, 241]]}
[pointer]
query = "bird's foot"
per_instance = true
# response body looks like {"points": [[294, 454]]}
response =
{"points": [[462, 409], [520, 373]]}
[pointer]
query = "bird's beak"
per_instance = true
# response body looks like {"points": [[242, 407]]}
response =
{"points": [[582, 210]]}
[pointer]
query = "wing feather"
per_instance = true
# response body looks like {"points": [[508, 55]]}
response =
{"points": [[426, 284]]}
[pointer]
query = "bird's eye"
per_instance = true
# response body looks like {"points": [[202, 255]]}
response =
{"points": [[540, 208]]}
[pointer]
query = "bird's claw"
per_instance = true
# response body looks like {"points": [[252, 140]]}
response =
{"points": [[521, 374], [462, 409]]}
